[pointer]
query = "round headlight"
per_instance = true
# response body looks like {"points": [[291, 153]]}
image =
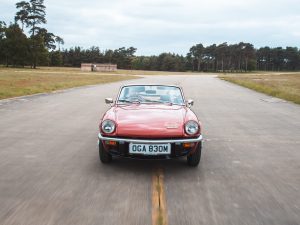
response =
{"points": [[108, 126], [191, 127]]}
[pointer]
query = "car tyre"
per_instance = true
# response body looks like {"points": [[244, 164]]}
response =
{"points": [[105, 157], [194, 159]]}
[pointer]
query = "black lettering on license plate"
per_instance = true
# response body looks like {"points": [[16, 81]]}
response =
{"points": [[139, 148], [156, 149]]}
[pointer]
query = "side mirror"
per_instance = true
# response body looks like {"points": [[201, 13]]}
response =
{"points": [[190, 103], [109, 101]]}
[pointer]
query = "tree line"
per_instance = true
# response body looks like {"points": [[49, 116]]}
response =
{"points": [[25, 42], [239, 57]]}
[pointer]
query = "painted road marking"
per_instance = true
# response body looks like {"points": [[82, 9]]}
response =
{"points": [[159, 206]]}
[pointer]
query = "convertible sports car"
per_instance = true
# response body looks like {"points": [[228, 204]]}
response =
{"points": [[150, 122]]}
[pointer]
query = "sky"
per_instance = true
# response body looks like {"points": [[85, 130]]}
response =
{"points": [[156, 26]]}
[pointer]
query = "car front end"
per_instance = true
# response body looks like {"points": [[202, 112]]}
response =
{"points": [[149, 148], [145, 128]]}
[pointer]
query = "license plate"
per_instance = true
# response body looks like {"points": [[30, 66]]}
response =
{"points": [[150, 149]]}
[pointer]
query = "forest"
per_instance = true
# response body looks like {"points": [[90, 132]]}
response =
{"points": [[26, 42]]}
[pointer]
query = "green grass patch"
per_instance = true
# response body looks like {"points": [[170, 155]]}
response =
{"points": [[281, 85]]}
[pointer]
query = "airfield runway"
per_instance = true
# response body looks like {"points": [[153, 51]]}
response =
{"points": [[249, 172]]}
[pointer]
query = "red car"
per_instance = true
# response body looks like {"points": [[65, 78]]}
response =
{"points": [[150, 122]]}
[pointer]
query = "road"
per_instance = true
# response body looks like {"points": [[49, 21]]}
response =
{"points": [[249, 173]]}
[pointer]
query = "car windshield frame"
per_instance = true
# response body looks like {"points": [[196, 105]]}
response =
{"points": [[124, 101]]}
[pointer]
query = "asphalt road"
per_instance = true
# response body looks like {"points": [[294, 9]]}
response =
{"points": [[249, 173]]}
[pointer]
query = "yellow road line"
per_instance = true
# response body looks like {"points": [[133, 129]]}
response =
{"points": [[159, 206]]}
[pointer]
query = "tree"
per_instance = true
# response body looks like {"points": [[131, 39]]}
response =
{"points": [[2, 40], [59, 41], [196, 52], [16, 48], [108, 56], [22, 14], [263, 58], [248, 52], [209, 57], [222, 53], [33, 14], [56, 58], [167, 62], [123, 57], [47, 38], [291, 58], [36, 16]]}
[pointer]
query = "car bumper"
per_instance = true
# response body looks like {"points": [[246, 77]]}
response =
{"points": [[150, 141], [177, 149]]}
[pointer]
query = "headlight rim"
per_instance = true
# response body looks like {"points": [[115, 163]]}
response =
{"points": [[111, 121], [187, 123]]}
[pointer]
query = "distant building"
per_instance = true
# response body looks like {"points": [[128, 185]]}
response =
{"points": [[86, 66], [100, 67]]}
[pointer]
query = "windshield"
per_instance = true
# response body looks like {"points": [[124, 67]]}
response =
{"points": [[151, 94]]}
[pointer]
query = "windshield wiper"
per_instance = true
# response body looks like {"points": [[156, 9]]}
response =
{"points": [[127, 101], [156, 101]]}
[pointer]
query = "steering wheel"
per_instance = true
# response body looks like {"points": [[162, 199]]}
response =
{"points": [[135, 98]]}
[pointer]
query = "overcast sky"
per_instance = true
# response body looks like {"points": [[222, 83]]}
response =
{"points": [[155, 26]]}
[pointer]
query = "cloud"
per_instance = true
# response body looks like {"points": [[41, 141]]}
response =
{"points": [[155, 26]]}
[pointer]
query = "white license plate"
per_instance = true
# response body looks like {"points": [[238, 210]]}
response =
{"points": [[150, 149]]}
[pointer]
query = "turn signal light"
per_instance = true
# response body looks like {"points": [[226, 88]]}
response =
{"points": [[188, 145], [111, 143]]}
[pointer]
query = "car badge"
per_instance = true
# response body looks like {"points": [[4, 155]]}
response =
{"points": [[171, 125]]}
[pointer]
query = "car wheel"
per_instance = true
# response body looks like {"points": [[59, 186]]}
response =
{"points": [[105, 157], [194, 159]]}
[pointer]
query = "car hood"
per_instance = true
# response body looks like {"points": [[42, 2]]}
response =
{"points": [[151, 121]]}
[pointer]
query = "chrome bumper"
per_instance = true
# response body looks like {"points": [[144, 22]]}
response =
{"points": [[147, 141]]}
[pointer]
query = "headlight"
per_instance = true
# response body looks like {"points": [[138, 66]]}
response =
{"points": [[191, 127], [108, 126]]}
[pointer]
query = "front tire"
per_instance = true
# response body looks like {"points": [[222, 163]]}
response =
{"points": [[194, 159], [105, 157]]}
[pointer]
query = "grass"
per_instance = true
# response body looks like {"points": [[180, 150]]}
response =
{"points": [[25, 81], [281, 85], [18, 82]]}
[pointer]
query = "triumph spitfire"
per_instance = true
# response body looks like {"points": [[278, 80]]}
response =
{"points": [[150, 122]]}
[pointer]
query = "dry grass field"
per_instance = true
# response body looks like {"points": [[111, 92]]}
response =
{"points": [[281, 85], [121, 71], [25, 81], [19, 82]]}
